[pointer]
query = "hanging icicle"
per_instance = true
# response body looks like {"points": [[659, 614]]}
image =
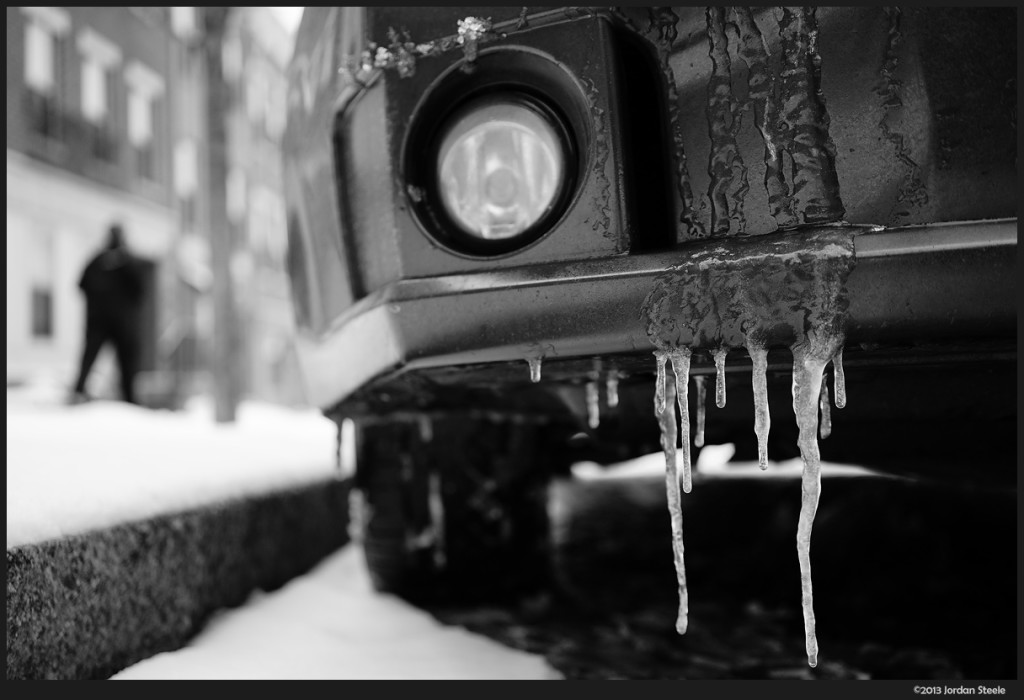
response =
{"points": [[808, 372], [762, 419], [660, 357], [665, 410], [702, 398], [534, 363], [612, 389], [719, 356], [826, 410], [839, 379], [681, 368], [593, 405]]}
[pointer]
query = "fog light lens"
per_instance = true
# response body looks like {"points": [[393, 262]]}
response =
{"points": [[501, 167]]}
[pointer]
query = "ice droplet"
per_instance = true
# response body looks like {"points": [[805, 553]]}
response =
{"points": [[808, 372], [593, 405], [681, 368], [762, 419], [660, 357], [839, 379], [826, 411], [534, 363], [612, 389], [702, 398], [719, 356], [666, 414]]}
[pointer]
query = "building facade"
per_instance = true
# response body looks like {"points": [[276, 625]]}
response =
{"points": [[256, 51], [107, 121], [98, 130]]}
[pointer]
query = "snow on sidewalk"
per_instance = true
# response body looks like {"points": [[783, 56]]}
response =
{"points": [[75, 469], [72, 469], [331, 625]]}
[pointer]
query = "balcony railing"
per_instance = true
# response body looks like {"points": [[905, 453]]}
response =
{"points": [[44, 116]]}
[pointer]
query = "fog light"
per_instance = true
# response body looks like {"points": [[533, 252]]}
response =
{"points": [[501, 168]]}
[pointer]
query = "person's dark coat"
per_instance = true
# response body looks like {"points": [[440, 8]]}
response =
{"points": [[112, 283]]}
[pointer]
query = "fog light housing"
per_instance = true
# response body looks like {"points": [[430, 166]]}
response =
{"points": [[501, 166], [498, 173]]}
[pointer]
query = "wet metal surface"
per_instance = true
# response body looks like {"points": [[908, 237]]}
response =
{"points": [[773, 293]]}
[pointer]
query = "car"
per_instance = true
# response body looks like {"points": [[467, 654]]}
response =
{"points": [[523, 237]]}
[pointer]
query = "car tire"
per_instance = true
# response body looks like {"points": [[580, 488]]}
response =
{"points": [[455, 508]]}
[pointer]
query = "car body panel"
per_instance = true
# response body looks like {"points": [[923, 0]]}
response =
{"points": [[893, 128]]}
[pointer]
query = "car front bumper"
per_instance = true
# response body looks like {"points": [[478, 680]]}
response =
{"points": [[926, 287]]}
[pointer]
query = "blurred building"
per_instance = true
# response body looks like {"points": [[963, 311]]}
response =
{"points": [[256, 51], [107, 120]]}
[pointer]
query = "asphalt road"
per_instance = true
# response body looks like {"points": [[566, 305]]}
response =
{"points": [[912, 580]]}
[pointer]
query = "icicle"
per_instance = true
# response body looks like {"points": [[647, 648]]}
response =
{"points": [[839, 379], [659, 384], [426, 428], [762, 419], [826, 411], [719, 356], [808, 373], [534, 363], [681, 367], [666, 413], [667, 423], [435, 504], [702, 397], [612, 389], [593, 405]]}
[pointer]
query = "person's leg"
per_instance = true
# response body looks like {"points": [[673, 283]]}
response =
{"points": [[127, 347], [94, 339]]}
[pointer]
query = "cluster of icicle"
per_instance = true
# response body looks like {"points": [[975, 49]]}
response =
{"points": [[810, 394], [593, 389]]}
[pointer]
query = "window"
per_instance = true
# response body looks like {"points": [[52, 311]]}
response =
{"points": [[186, 167], [276, 113], [236, 195], [186, 174], [140, 133], [183, 22], [256, 93], [94, 91], [42, 312], [44, 29], [266, 231], [41, 276], [40, 50], [99, 57], [231, 58], [144, 87], [189, 213]]}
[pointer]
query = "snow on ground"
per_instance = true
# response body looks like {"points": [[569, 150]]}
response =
{"points": [[330, 625], [712, 463], [75, 468], [71, 469]]}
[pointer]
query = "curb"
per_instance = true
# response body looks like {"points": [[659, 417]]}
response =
{"points": [[87, 606]]}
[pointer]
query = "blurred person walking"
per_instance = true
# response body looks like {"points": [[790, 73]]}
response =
{"points": [[112, 284]]}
